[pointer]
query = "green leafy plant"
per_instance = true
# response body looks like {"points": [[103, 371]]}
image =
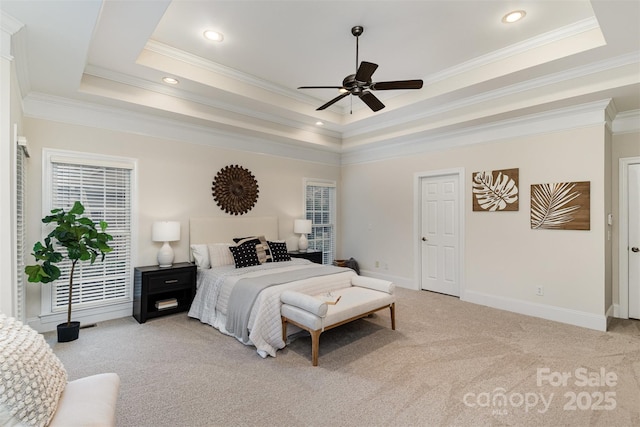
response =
{"points": [[78, 235]]}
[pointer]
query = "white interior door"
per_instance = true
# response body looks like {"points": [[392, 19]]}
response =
{"points": [[633, 251], [440, 234]]}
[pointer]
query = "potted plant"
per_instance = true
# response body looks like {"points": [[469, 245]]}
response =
{"points": [[82, 241]]}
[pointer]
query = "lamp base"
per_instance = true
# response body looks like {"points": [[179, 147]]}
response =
{"points": [[165, 255], [303, 243]]}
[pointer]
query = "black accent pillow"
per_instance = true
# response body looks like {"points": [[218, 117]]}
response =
{"points": [[279, 251], [245, 255], [262, 248]]}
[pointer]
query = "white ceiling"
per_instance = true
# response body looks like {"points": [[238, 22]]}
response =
{"points": [[475, 68]]}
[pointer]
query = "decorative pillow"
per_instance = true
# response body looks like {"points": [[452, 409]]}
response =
{"points": [[200, 255], [219, 254], [262, 247], [279, 251], [33, 378], [245, 255]]}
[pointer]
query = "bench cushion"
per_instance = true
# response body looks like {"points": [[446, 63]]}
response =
{"points": [[354, 301]]}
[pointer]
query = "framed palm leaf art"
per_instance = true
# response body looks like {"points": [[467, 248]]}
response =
{"points": [[561, 206], [495, 191]]}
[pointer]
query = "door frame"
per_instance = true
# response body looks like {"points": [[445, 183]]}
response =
{"points": [[417, 222], [623, 235]]}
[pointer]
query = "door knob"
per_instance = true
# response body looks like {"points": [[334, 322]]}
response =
{"points": [[635, 249], [424, 239]]}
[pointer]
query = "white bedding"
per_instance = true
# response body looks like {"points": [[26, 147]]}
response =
{"points": [[214, 289]]}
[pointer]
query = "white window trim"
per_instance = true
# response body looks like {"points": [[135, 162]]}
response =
{"points": [[322, 183], [106, 311]]}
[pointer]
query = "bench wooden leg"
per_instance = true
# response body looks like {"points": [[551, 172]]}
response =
{"points": [[393, 315], [315, 344], [284, 330]]}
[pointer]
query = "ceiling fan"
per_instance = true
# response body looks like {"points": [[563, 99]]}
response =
{"points": [[360, 84]]}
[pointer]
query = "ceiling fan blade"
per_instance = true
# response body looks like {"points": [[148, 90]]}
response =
{"points": [[400, 84], [370, 99], [320, 87], [333, 101], [365, 71]]}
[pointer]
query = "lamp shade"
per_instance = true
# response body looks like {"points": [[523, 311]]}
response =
{"points": [[165, 231], [302, 226]]}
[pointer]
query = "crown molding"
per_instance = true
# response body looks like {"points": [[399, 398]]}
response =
{"points": [[574, 29], [95, 71], [626, 122], [503, 92], [14, 48], [8, 27], [47, 107], [213, 67], [567, 118]]}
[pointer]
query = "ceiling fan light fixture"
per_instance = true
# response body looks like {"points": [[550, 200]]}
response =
{"points": [[212, 35], [343, 90], [514, 16]]}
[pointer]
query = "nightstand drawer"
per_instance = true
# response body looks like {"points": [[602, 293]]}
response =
{"points": [[167, 281]]}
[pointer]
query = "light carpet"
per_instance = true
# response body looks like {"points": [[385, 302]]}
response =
{"points": [[449, 363]]}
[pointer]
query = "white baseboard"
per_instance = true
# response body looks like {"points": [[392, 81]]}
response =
{"points": [[403, 282], [85, 317], [558, 314]]}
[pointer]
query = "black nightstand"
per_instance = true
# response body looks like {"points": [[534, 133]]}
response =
{"points": [[313, 256], [158, 291]]}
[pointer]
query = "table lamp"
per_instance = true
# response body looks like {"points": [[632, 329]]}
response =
{"points": [[303, 227], [165, 231]]}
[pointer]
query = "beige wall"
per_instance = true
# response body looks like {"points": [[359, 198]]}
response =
{"points": [[173, 183], [504, 258], [376, 214], [624, 145]]}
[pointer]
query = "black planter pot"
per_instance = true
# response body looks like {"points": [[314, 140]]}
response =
{"points": [[68, 331]]}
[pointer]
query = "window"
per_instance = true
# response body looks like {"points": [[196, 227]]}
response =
{"points": [[320, 208], [104, 186]]}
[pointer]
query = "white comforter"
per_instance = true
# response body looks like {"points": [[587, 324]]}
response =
{"points": [[214, 289]]}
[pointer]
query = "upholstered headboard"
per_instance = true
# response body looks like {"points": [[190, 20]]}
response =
{"points": [[224, 229]]}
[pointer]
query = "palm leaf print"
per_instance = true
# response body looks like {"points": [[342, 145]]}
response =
{"points": [[549, 205], [494, 196]]}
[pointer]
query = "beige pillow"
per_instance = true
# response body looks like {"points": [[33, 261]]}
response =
{"points": [[200, 255], [32, 377], [220, 255]]}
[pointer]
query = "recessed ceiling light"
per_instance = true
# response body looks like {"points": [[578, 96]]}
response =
{"points": [[213, 35], [514, 16], [319, 123], [170, 80]]}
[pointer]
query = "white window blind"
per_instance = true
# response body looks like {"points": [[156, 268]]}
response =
{"points": [[20, 230], [105, 192], [320, 208]]}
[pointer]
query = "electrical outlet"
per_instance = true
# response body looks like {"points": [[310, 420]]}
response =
{"points": [[377, 264], [539, 291]]}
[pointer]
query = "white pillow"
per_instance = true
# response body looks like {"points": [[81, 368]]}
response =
{"points": [[33, 378], [200, 255], [220, 255]]}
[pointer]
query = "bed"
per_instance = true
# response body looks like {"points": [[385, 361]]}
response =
{"points": [[244, 302]]}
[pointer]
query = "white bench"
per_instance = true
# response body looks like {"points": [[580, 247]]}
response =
{"points": [[366, 295]]}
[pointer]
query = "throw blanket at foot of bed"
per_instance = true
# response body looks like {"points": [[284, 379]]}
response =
{"points": [[245, 292], [365, 296]]}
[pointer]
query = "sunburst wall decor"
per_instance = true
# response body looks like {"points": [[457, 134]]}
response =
{"points": [[235, 190]]}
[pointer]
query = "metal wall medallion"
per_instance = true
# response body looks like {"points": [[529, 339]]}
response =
{"points": [[235, 190]]}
